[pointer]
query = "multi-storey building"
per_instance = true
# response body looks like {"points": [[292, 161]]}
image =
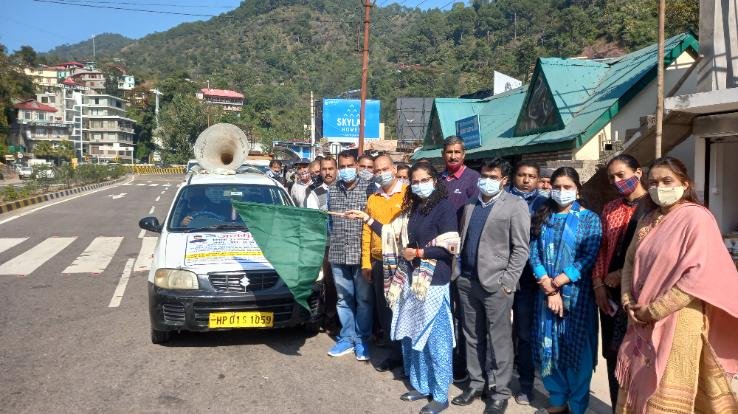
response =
{"points": [[38, 122], [106, 132], [229, 100], [126, 82], [91, 78]]}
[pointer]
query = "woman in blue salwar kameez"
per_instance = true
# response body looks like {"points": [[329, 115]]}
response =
{"points": [[564, 246]]}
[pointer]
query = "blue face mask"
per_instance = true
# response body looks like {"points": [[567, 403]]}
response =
{"points": [[488, 186], [545, 193], [423, 190], [347, 175]]}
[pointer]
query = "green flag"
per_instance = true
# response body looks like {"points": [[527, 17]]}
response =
{"points": [[293, 239]]}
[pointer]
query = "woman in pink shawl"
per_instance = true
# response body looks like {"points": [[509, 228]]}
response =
{"points": [[680, 290]]}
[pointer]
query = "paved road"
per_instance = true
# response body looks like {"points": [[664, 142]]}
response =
{"points": [[63, 349]]}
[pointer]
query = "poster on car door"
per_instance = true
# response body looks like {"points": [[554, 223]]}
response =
{"points": [[240, 248]]}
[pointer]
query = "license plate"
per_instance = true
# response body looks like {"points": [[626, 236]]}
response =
{"points": [[241, 320]]}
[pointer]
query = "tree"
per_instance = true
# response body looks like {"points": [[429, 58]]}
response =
{"points": [[181, 121], [25, 56], [14, 84]]}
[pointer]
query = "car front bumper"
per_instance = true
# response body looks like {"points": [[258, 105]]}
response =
{"points": [[189, 310]]}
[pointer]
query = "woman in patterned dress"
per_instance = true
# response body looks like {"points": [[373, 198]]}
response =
{"points": [[565, 242], [619, 220], [679, 288]]}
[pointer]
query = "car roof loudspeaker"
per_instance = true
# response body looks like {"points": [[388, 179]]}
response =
{"points": [[221, 147]]}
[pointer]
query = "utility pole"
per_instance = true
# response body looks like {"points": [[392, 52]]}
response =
{"points": [[364, 72], [660, 81], [93, 48]]}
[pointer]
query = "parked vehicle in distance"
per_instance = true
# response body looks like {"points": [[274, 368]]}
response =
{"points": [[44, 173], [25, 172]]}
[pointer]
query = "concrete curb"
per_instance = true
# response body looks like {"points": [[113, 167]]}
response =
{"points": [[15, 205]]}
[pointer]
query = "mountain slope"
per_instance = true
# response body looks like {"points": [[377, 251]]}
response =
{"points": [[277, 51], [106, 45]]}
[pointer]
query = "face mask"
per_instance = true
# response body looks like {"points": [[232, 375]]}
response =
{"points": [[317, 179], [545, 193], [423, 190], [385, 178], [666, 196], [366, 175], [564, 197], [347, 175], [488, 186], [452, 168], [626, 187], [404, 181]]}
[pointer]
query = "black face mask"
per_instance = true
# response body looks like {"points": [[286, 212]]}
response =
{"points": [[317, 179]]}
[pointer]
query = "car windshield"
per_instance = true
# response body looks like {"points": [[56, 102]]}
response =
{"points": [[208, 207]]}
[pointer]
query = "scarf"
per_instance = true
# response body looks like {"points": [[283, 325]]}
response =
{"points": [[527, 196], [396, 270], [684, 250], [554, 327]]}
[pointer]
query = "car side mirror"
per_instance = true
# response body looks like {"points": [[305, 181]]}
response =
{"points": [[151, 224]]}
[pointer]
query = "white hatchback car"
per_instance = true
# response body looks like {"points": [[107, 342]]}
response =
{"points": [[208, 273]]}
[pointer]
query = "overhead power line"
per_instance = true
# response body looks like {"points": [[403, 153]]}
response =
{"points": [[125, 8], [194, 6]]}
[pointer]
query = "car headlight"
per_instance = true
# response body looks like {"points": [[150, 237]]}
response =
{"points": [[175, 279]]}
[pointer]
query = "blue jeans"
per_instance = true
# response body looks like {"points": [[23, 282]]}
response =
{"points": [[355, 303]]}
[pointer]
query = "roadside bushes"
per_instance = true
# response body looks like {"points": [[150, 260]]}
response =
{"points": [[47, 179]]}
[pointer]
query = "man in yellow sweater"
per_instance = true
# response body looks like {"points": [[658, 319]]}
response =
{"points": [[383, 206]]}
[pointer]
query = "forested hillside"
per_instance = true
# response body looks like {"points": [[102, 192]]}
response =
{"points": [[277, 51], [106, 44]]}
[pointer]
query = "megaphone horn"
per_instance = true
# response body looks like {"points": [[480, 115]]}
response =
{"points": [[221, 146]]}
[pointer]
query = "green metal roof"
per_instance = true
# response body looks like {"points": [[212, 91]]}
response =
{"points": [[587, 94]]}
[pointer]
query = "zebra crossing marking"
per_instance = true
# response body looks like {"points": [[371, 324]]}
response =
{"points": [[33, 258], [6, 244], [145, 255], [121, 288], [96, 257]]}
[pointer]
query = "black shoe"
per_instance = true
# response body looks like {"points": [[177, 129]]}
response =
{"points": [[413, 396], [388, 365], [495, 406], [434, 407], [467, 397]]}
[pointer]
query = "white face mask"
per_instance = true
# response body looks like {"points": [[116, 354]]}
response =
{"points": [[545, 193], [366, 175], [384, 178], [564, 197], [666, 196], [488, 186]]}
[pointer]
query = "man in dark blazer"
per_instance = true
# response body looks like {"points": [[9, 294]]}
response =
{"points": [[495, 241]]}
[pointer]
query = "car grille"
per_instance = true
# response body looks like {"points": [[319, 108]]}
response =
{"points": [[282, 309], [231, 281], [173, 312]]}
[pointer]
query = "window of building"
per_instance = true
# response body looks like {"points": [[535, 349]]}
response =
{"points": [[41, 116], [97, 101], [44, 99], [26, 115]]}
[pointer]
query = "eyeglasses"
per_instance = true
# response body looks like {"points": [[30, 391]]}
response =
{"points": [[422, 181]]}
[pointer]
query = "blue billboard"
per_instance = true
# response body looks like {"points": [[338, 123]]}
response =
{"points": [[341, 120]]}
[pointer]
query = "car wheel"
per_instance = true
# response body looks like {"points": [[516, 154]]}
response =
{"points": [[160, 337]]}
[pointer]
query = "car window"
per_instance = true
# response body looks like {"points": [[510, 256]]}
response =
{"points": [[199, 206]]}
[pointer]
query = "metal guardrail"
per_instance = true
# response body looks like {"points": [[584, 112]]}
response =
{"points": [[149, 169]]}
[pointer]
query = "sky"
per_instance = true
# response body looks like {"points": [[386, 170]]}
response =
{"points": [[44, 24]]}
